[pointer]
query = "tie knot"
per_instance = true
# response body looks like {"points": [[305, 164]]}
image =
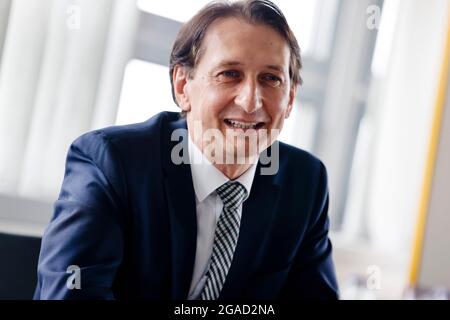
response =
{"points": [[232, 194]]}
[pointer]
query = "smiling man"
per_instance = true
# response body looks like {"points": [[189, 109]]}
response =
{"points": [[138, 223]]}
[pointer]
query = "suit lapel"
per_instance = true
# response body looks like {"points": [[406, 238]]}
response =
{"points": [[257, 214], [182, 213]]}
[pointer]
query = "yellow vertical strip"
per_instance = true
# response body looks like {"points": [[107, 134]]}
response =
{"points": [[430, 164]]}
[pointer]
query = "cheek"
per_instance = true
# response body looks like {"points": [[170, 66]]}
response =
{"points": [[279, 104], [210, 107], [277, 111], [216, 102]]}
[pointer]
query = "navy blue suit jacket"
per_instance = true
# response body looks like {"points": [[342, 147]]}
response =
{"points": [[126, 215]]}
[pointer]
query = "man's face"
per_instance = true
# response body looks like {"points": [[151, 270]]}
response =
{"points": [[241, 83]]}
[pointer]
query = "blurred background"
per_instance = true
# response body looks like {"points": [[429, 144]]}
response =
{"points": [[374, 107]]}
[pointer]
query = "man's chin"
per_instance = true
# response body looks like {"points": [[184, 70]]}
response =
{"points": [[241, 153]]}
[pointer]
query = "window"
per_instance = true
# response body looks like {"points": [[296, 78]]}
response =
{"points": [[311, 20], [300, 127], [145, 92], [172, 9]]}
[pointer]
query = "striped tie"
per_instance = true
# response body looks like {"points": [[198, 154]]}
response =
{"points": [[225, 238]]}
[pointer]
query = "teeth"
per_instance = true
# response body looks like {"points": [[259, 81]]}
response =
{"points": [[243, 125]]}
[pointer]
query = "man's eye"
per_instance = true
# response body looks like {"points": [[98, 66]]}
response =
{"points": [[272, 80], [230, 74]]}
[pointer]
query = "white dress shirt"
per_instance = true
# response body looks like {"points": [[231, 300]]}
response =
{"points": [[206, 179]]}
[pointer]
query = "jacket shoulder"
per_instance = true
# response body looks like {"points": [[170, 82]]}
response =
{"points": [[301, 170], [292, 157], [149, 129], [131, 139]]}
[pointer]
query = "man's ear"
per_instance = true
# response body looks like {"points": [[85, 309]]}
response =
{"points": [[180, 79], [292, 95]]}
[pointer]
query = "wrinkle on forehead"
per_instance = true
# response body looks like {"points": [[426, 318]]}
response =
{"points": [[234, 39]]}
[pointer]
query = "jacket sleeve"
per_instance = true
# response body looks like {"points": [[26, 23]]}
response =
{"points": [[312, 275], [82, 246]]}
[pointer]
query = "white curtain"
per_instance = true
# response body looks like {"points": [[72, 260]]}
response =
{"points": [[60, 76]]}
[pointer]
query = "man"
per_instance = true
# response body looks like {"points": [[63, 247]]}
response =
{"points": [[155, 211]]}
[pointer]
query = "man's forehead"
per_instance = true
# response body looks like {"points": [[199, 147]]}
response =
{"points": [[230, 28], [233, 41]]}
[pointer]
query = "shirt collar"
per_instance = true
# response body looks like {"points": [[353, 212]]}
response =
{"points": [[207, 178]]}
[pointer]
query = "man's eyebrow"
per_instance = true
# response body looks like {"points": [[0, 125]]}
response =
{"points": [[232, 63], [229, 63], [274, 67]]}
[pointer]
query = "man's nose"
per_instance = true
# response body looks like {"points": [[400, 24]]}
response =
{"points": [[249, 96]]}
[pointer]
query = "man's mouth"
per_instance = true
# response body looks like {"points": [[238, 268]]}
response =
{"points": [[236, 124]]}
